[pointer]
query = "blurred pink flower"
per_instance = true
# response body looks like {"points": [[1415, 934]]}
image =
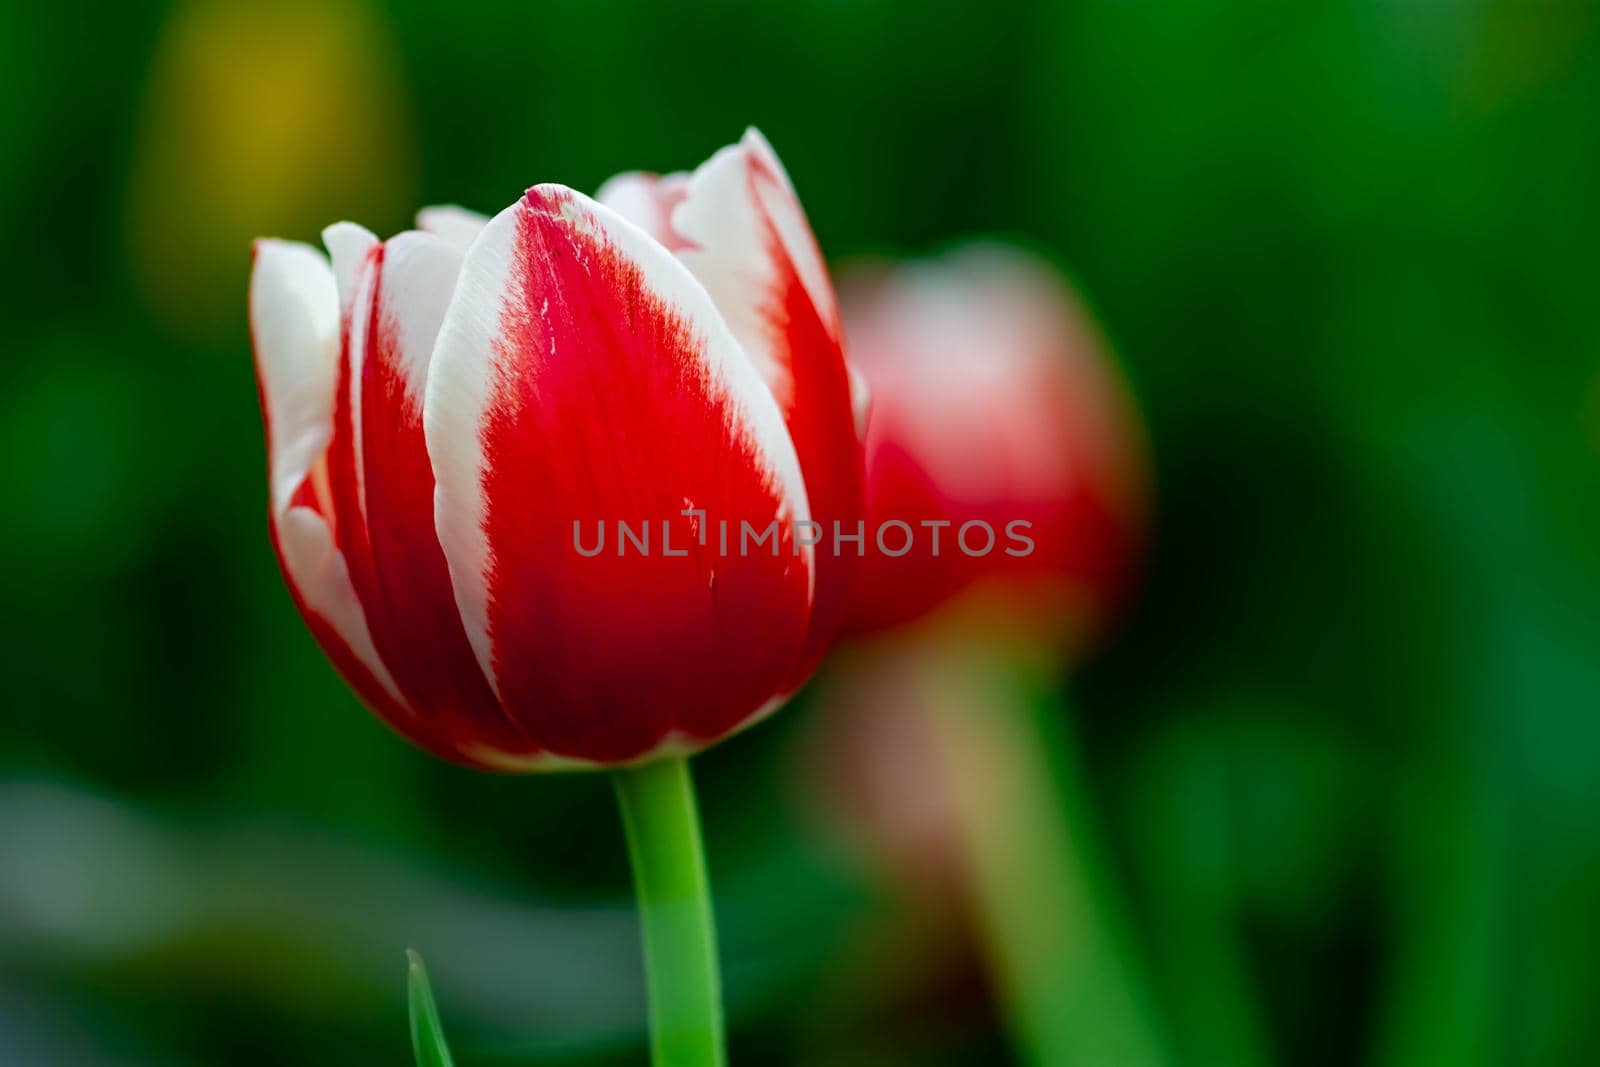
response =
{"points": [[997, 412]]}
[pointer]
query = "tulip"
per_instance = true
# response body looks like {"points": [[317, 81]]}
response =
{"points": [[444, 406], [996, 408], [453, 412], [998, 413]]}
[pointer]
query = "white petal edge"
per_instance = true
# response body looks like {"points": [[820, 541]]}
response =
{"points": [[294, 326], [642, 199], [454, 225], [459, 381], [320, 574], [721, 219], [418, 279], [294, 321], [413, 281], [349, 245], [794, 230], [860, 398]]}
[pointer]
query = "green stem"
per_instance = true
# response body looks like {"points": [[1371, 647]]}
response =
{"points": [[427, 1035], [1453, 833], [1056, 939], [662, 825]]}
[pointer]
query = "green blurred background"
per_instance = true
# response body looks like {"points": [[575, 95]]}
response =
{"points": [[1346, 751]]}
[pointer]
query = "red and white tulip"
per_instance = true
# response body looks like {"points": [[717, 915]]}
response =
{"points": [[443, 407], [995, 402]]}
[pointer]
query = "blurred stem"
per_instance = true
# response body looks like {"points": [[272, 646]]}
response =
{"points": [[1056, 942], [1214, 1008], [1453, 843], [662, 825]]}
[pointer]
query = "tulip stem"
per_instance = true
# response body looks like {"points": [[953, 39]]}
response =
{"points": [[1056, 942], [662, 825]]}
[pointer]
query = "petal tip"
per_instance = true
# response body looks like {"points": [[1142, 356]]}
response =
{"points": [[452, 224], [348, 244], [754, 140]]}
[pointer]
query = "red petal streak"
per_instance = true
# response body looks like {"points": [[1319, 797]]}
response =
{"points": [[815, 399], [304, 362], [602, 407], [382, 487]]}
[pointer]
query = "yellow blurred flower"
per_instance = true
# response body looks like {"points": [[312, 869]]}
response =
{"points": [[259, 117]]}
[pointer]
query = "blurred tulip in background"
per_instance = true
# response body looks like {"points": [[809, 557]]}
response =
{"points": [[996, 406], [995, 400]]}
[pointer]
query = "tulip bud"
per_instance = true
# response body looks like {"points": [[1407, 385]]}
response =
{"points": [[1003, 451], [457, 415]]}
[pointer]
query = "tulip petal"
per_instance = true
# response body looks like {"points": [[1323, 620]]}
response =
{"points": [[349, 247], [382, 488], [583, 376], [750, 244], [455, 225], [648, 201], [320, 582], [748, 241], [294, 324]]}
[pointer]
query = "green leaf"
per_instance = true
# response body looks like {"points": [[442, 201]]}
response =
{"points": [[427, 1036]]}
